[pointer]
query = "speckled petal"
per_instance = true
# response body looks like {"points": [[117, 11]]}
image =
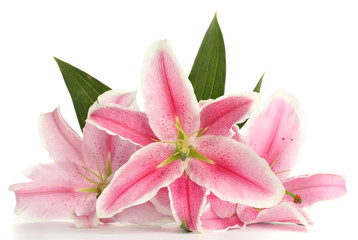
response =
{"points": [[237, 175], [98, 146], [139, 179], [127, 123], [188, 200], [221, 114], [276, 132], [167, 93]]}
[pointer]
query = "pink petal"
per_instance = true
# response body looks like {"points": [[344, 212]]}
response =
{"points": [[98, 146], [223, 209], [220, 115], [188, 200], [161, 201], [124, 99], [167, 93], [277, 131], [128, 124], [284, 212], [139, 179], [54, 192], [238, 175], [143, 214], [316, 187], [237, 135], [247, 214], [210, 221], [203, 103], [86, 221], [62, 143]]}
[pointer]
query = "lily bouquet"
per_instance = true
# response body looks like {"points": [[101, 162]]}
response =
{"points": [[204, 160]]}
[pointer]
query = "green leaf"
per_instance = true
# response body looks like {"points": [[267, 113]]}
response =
{"points": [[256, 89], [83, 88], [258, 85], [184, 226], [209, 69]]}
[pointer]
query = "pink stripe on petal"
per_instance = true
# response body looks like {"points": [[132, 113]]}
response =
{"points": [[315, 188], [139, 179], [222, 208], [211, 221], [167, 93], [277, 132], [62, 143], [284, 212], [54, 194], [188, 200], [224, 112], [143, 214], [128, 124], [238, 175]]}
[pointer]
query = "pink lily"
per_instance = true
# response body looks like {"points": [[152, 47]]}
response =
{"points": [[276, 133], [190, 152], [68, 187]]}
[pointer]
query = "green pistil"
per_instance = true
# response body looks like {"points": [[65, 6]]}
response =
{"points": [[102, 179], [296, 198], [183, 149]]}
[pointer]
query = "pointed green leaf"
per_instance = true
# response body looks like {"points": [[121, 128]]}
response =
{"points": [[184, 226], [83, 88], [209, 69], [258, 85], [256, 89]]}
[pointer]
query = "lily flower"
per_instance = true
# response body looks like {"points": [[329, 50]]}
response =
{"points": [[189, 152], [69, 186], [276, 133]]}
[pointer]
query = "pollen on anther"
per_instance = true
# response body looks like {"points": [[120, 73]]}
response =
{"points": [[298, 199]]}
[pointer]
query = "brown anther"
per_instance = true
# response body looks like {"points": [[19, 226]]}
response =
{"points": [[298, 199]]}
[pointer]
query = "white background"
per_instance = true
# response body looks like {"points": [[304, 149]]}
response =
{"points": [[310, 48]]}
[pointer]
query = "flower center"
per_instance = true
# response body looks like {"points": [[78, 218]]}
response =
{"points": [[102, 180], [183, 148]]}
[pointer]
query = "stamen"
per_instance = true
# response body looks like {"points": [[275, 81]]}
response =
{"points": [[193, 133], [109, 168], [179, 129], [282, 171], [100, 173], [202, 132], [87, 178], [102, 184], [273, 163], [92, 173], [296, 198]]}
